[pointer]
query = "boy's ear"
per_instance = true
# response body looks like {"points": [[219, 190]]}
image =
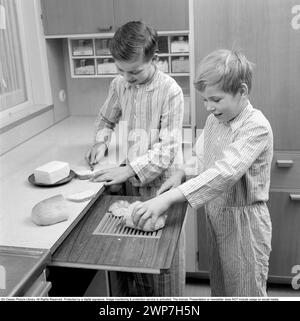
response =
{"points": [[155, 57], [244, 89]]}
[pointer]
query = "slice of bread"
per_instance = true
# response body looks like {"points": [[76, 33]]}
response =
{"points": [[81, 196]]}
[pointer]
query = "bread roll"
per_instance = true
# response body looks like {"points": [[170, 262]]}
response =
{"points": [[119, 208], [124, 209], [149, 226], [50, 211]]}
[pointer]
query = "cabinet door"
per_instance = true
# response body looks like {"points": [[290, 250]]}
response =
{"points": [[77, 17], [160, 14], [285, 216], [268, 33]]}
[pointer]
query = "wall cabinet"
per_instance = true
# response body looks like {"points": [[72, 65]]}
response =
{"points": [[63, 17], [66, 17], [161, 14]]}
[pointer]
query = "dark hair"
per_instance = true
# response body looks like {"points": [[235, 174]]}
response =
{"points": [[133, 39], [226, 68]]}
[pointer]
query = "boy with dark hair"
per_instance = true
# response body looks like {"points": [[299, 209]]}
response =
{"points": [[151, 102]]}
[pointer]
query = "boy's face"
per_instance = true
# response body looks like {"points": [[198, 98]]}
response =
{"points": [[224, 106], [137, 72]]}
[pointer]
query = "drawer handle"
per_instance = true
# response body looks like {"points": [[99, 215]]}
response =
{"points": [[295, 197], [284, 162], [105, 29]]}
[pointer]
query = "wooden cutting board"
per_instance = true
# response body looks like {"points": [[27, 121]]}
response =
{"points": [[84, 249]]}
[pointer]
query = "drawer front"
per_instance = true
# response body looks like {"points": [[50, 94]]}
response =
{"points": [[39, 288], [285, 171], [284, 210]]}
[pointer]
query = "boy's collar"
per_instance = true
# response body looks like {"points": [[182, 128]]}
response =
{"points": [[240, 118]]}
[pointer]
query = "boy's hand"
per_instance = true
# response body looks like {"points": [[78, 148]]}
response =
{"points": [[115, 175], [94, 154], [150, 209], [155, 207], [174, 181]]}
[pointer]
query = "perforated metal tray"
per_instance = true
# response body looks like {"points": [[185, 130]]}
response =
{"points": [[110, 225]]}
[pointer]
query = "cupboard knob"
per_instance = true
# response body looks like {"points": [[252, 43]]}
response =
{"points": [[105, 29], [295, 197], [284, 162]]}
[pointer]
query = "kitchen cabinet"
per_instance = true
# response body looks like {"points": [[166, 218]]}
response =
{"points": [[22, 271], [264, 32], [161, 14], [40, 287], [66, 17], [284, 208], [63, 17]]}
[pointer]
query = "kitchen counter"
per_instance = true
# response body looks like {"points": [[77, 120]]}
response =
{"points": [[66, 141], [25, 247]]}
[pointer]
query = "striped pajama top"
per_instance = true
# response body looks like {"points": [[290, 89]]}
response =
{"points": [[153, 113], [237, 158]]}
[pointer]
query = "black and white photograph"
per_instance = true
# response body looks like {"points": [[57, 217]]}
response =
{"points": [[149, 151]]}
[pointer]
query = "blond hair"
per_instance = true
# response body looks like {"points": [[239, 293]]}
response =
{"points": [[227, 69]]}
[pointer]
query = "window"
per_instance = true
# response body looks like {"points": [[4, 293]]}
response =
{"points": [[24, 79], [13, 89]]}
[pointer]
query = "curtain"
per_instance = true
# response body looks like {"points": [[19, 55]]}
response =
{"points": [[12, 76]]}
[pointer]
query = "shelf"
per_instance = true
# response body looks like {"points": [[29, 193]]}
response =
{"points": [[90, 56]]}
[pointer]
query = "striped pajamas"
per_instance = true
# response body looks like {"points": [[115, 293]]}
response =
{"points": [[153, 113], [234, 186]]}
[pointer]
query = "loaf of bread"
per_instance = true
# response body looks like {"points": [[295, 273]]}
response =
{"points": [[50, 211], [124, 209]]}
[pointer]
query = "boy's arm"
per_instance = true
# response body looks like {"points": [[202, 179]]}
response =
{"points": [[108, 117], [237, 158], [150, 165]]}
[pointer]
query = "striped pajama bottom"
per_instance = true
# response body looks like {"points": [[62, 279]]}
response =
{"points": [[239, 241]]}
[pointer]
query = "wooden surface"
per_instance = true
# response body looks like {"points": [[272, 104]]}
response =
{"points": [[19, 267], [133, 254]]}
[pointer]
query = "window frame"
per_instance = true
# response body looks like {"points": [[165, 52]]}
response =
{"points": [[37, 80]]}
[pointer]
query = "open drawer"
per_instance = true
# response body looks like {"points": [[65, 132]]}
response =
{"points": [[115, 252]]}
